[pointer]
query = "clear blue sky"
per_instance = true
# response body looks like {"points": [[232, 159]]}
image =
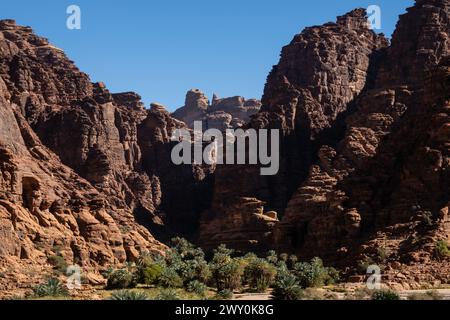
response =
{"points": [[162, 48]]}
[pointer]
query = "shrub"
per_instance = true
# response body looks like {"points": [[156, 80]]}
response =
{"points": [[284, 257], [333, 276], [259, 274], [442, 249], [385, 295], [148, 269], [272, 257], [225, 294], [145, 260], [364, 264], [286, 288], [58, 262], [426, 218], [190, 270], [52, 288], [150, 275], [382, 255], [169, 278], [120, 279], [188, 261], [293, 259], [186, 250], [314, 274], [128, 295], [226, 271], [167, 294], [196, 287]]}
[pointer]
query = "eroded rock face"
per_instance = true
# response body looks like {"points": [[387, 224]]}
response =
{"points": [[388, 168], [80, 167], [319, 74], [365, 149], [222, 114]]}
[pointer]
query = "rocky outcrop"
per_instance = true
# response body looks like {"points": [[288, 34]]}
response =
{"points": [[386, 172], [319, 75], [222, 114], [84, 173], [364, 148]]}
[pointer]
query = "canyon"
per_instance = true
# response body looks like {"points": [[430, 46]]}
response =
{"points": [[87, 175]]}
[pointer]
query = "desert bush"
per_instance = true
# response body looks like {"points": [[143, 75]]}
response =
{"points": [[382, 255], [195, 269], [426, 218], [286, 287], [284, 257], [146, 260], [52, 288], [128, 295], [364, 264], [442, 249], [293, 259], [226, 271], [120, 279], [196, 287], [314, 274], [188, 262], [58, 262], [224, 294], [259, 274], [272, 257], [169, 278], [429, 295], [385, 295], [151, 274], [167, 294]]}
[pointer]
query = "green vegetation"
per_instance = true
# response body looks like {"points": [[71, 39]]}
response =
{"points": [[184, 273], [287, 288], [128, 295], [120, 279], [429, 295], [57, 261], [385, 295], [226, 271], [314, 274], [168, 294], [442, 249], [150, 275], [259, 274], [225, 294], [197, 287], [364, 264], [53, 288]]}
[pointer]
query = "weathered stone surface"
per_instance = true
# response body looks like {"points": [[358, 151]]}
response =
{"points": [[222, 114], [80, 166], [388, 166], [365, 151], [319, 74], [365, 155]]}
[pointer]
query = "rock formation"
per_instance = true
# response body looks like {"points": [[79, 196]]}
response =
{"points": [[222, 114], [319, 74], [84, 173], [364, 150]]}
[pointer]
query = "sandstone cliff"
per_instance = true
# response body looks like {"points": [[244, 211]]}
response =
{"points": [[319, 74], [84, 173], [364, 152]]}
